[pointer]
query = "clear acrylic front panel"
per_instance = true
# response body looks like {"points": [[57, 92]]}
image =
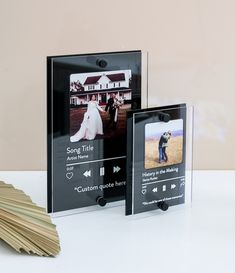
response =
{"points": [[159, 161], [88, 97]]}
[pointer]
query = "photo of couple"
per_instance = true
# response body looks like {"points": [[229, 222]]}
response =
{"points": [[98, 102], [163, 143]]}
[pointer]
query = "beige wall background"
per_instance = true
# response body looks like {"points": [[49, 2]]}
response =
{"points": [[192, 59]]}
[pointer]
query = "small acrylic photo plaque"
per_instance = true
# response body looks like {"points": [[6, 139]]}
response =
{"points": [[158, 158]]}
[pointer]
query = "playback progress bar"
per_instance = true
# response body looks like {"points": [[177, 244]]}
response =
{"points": [[91, 161]]}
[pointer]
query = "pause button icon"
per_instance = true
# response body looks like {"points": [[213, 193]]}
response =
{"points": [[102, 171]]}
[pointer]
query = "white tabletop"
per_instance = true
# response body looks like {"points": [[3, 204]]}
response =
{"points": [[197, 239]]}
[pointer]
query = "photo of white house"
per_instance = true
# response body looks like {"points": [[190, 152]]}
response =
{"points": [[100, 84]]}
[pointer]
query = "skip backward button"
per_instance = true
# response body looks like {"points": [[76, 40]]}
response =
{"points": [[87, 173]]}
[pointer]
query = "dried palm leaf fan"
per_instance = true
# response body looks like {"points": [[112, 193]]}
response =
{"points": [[24, 225]]}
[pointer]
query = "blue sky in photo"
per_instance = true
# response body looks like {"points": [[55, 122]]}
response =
{"points": [[83, 76], [156, 129]]}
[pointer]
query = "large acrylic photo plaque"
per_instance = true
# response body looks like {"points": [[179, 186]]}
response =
{"points": [[88, 97], [157, 172]]}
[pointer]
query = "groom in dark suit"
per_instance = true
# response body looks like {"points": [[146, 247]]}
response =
{"points": [[111, 107]]}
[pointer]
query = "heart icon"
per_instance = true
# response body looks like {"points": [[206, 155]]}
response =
{"points": [[69, 175], [144, 191]]}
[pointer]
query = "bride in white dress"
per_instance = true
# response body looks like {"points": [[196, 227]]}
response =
{"points": [[91, 124]]}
